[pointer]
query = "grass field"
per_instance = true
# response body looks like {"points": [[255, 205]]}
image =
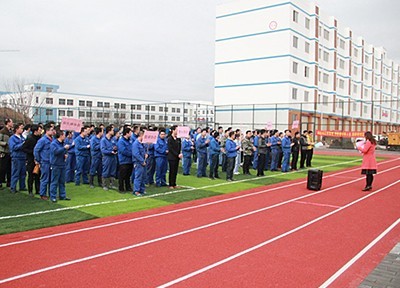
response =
{"points": [[95, 203]]}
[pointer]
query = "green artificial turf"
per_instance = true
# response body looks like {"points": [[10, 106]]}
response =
{"points": [[108, 203]]}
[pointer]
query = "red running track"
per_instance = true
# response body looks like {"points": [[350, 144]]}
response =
{"points": [[155, 250]]}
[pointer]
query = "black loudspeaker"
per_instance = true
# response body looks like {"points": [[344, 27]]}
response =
{"points": [[314, 179]]}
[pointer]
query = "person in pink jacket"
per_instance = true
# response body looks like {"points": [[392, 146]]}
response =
{"points": [[369, 162]]}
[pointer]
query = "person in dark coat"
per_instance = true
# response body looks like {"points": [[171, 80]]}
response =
{"points": [[5, 155], [303, 148], [174, 155], [295, 151], [28, 147]]}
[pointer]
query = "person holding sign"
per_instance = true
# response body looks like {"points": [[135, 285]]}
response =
{"points": [[174, 155], [160, 153], [369, 165], [139, 162]]}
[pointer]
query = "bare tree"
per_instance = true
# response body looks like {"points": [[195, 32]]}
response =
{"points": [[22, 98]]}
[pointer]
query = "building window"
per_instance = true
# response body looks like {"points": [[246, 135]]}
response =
{"points": [[319, 53], [70, 102], [99, 114], [49, 89], [366, 76], [138, 117], [173, 118], [178, 110], [339, 104], [116, 115], [306, 96], [341, 63], [173, 110], [38, 87], [146, 117], [37, 100], [355, 70], [123, 106], [160, 117], [365, 109], [133, 107], [178, 118], [307, 23], [166, 109], [99, 104], [81, 103], [61, 101], [70, 113], [161, 109], [295, 67], [116, 105], [326, 34], [49, 112], [326, 78], [295, 16], [341, 83], [61, 112], [106, 104], [106, 115], [89, 103], [354, 107], [81, 113], [166, 118], [49, 100], [355, 52], [342, 44], [355, 88], [307, 47], [123, 115], [294, 93], [325, 100], [295, 41], [306, 72], [89, 114], [326, 56], [152, 117], [365, 92], [138, 107], [153, 108], [133, 116], [366, 58], [147, 107]]}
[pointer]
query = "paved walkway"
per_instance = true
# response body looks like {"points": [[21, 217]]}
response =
{"points": [[387, 274]]}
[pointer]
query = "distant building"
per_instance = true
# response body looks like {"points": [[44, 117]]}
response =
{"points": [[272, 52], [46, 103]]}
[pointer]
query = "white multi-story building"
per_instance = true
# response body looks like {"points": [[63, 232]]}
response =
{"points": [[282, 61], [45, 103]]}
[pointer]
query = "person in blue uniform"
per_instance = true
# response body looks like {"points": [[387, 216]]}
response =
{"points": [[125, 161], [187, 151], [255, 143], [58, 154], [231, 153], [41, 152], [139, 161], [71, 160], [161, 153], [201, 147], [214, 151], [275, 141], [109, 151], [82, 152], [135, 133], [286, 149], [18, 159], [96, 159]]}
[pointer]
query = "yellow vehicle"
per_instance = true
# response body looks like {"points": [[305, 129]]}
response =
{"points": [[393, 141]]}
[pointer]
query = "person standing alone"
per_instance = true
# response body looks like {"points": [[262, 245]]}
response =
{"points": [[369, 165]]}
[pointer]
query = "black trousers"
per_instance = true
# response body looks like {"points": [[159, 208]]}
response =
{"points": [[309, 157], [223, 162], [214, 166], [246, 164], [173, 171], [369, 179], [303, 158], [5, 170], [261, 164], [124, 181], [295, 158], [32, 177], [230, 165], [280, 159]]}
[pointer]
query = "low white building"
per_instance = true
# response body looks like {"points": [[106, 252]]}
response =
{"points": [[282, 61], [44, 103]]}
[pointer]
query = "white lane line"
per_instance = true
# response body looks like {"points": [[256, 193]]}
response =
{"points": [[168, 192], [251, 249], [317, 204], [172, 211], [359, 255], [183, 232]]}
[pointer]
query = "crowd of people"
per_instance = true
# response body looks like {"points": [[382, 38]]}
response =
{"points": [[120, 159]]}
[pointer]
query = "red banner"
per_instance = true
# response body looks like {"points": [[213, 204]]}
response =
{"points": [[340, 134]]}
